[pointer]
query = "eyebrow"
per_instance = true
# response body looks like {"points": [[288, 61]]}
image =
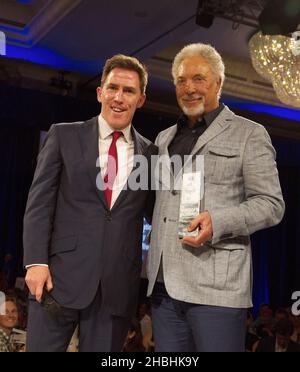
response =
{"points": [[113, 85], [194, 76]]}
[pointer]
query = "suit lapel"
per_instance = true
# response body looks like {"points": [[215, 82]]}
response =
{"points": [[140, 146], [163, 149], [221, 122], [89, 138]]}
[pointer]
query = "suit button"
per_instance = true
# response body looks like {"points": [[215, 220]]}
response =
{"points": [[165, 219], [174, 193], [109, 217]]}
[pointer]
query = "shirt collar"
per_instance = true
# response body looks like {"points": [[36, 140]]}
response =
{"points": [[207, 118], [105, 130]]}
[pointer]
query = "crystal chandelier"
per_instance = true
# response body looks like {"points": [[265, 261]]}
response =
{"points": [[274, 58]]}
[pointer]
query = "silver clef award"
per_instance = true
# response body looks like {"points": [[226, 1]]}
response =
{"points": [[191, 196]]}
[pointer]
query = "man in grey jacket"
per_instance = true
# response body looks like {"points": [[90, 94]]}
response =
{"points": [[201, 286]]}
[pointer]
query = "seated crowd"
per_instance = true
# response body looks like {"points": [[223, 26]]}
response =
{"points": [[269, 332]]}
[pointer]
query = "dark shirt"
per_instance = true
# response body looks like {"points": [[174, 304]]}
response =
{"points": [[186, 137]]}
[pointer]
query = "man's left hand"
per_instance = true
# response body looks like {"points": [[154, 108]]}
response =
{"points": [[204, 222]]}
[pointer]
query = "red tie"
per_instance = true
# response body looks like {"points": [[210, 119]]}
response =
{"points": [[112, 167]]}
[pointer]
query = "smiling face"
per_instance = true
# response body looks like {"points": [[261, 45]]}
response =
{"points": [[120, 96], [197, 88], [10, 319]]}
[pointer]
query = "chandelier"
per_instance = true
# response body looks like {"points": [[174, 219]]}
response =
{"points": [[276, 59]]}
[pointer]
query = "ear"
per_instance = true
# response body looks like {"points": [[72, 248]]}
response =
{"points": [[218, 85], [99, 94], [141, 101]]}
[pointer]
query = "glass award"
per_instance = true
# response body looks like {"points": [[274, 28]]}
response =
{"points": [[190, 203]]}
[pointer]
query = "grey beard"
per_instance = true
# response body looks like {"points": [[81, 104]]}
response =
{"points": [[198, 111]]}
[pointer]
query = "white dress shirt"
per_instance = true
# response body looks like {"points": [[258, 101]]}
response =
{"points": [[125, 150]]}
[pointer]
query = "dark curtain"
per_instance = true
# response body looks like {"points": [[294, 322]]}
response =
{"points": [[18, 148], [276, 251], [285, 261]]}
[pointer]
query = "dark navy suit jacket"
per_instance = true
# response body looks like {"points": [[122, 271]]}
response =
{"points": [[69, 226]]}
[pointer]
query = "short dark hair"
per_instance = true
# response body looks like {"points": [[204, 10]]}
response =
{"points": [[127, 63]]}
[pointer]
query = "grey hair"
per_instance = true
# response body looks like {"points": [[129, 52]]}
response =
{"points": [[205, 51]]}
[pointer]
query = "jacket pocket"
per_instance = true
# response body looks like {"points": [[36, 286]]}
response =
{"points": [[221, 164], [64, 244], [221, 268], [227, 152], [228, 267], [233, 244]]}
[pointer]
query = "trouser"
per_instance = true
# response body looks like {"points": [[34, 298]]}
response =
{"points": [[99, 331], [184, 327]]}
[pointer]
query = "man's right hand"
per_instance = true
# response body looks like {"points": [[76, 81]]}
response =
{"points": [[37, 278]]}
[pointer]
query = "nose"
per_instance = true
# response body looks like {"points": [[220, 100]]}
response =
{"points": [[119, 95], [190, 87]]}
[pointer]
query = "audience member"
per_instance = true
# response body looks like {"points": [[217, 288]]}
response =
{"points": [[281, 342], [296, 324], [7, 323]]}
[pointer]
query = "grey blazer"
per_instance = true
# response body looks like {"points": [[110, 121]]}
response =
{"points": [[242, 194]]}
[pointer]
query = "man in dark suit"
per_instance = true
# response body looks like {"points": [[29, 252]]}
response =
{"points": [[83, 226]]}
